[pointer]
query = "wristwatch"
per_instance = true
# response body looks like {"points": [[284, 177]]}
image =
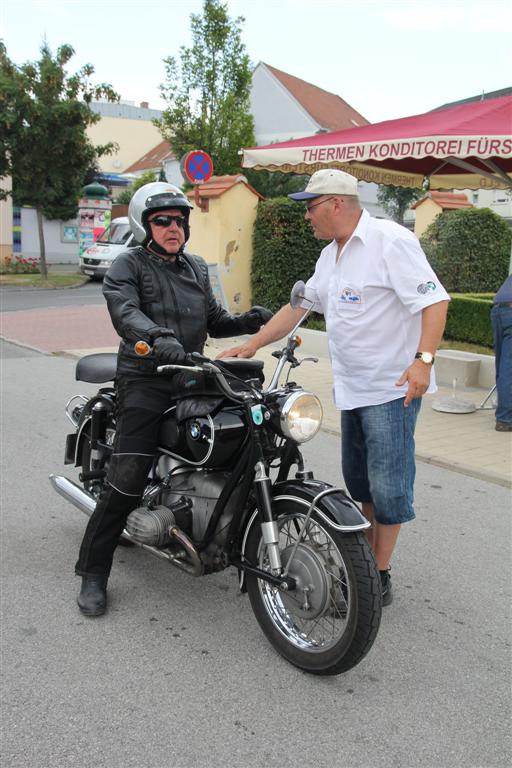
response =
{"points": [[425, 357]]}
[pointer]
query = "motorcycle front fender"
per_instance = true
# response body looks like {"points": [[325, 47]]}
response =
{"points": [[334, 506]]}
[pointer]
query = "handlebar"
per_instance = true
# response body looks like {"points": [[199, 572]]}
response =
{"points": [[195, 362], [205, 365]]}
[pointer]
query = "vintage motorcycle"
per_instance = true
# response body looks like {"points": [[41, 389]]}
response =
{"points": [[221, 493]]}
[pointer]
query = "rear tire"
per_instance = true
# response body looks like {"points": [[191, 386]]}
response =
{"points": [[330, 621]]}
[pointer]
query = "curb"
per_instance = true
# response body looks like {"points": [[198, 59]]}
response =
{"points": [[17, 287], [27, 346], [461, 469], [464, 469]]}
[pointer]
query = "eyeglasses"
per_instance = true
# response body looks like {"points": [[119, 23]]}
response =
{"points": [[310, 207], [166, 221]]}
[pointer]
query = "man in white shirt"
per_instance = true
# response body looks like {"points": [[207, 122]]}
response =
{"points": [[385, 313]]}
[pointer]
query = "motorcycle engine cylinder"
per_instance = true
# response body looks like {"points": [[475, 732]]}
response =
{"points": [[150, 526]]}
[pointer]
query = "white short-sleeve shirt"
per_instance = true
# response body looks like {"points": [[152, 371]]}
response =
{"points": [[372, 300]]}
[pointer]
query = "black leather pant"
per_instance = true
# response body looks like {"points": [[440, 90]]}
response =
{"points": [[141, 401]]}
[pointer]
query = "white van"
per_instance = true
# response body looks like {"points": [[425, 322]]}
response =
{"points": [[115, 239]]}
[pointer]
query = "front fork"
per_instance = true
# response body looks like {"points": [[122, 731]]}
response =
{"points": [[269, 527]]}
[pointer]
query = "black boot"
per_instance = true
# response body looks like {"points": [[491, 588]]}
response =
{"points": [[92, 599]]}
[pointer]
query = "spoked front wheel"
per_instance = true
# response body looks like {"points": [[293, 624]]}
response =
{"points": [[329, 622]]}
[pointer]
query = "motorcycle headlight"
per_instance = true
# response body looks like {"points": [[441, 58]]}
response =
{"points": [[301, 416]]}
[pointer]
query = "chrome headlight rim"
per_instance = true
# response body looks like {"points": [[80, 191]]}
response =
{"points": [[284, 416]]}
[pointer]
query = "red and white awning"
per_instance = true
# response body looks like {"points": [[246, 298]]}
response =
{"points": [[468, 146]]}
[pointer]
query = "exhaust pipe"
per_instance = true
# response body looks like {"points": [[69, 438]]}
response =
{"points": [[73, 493], [86, 503]]}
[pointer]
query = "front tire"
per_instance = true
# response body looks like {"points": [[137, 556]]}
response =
{"points": [[329, 622]]}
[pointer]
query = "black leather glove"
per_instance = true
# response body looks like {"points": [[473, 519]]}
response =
{"points": [[168, 351], [255, 318]]}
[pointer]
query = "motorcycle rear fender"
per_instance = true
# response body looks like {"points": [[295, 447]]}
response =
{"points": [[85, 420], [336, 509]]}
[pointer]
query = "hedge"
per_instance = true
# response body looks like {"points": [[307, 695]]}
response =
{"points": [[469, 320], [284, 251]]}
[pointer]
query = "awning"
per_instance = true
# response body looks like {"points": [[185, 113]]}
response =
{"points": [[467, 146]]}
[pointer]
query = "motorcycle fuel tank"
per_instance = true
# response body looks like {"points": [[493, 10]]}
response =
{"points": [[211, 441]]}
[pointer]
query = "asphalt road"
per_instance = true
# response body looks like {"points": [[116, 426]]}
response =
{"points": [[178, 674]]}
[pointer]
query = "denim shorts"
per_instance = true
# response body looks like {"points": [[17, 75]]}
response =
{"points": [[378, 457]]}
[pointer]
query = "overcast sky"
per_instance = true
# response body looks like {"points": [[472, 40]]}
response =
{"points": [[386, 59]]}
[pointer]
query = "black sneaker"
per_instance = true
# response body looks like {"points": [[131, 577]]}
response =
{"points": [[503, 426], [386, 588]]}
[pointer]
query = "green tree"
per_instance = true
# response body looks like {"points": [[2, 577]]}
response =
{"points": [[275, 184], [469, 249], [396, 200], [126, 195], [44, 114], [208, 91]]}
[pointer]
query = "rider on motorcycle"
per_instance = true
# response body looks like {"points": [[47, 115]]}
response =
{"points": [[160, 294]]}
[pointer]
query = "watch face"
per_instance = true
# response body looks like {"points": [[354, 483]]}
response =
{"points": [[426, 357]]}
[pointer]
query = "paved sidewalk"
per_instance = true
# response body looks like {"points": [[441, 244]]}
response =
{"points": [[467, 443]]}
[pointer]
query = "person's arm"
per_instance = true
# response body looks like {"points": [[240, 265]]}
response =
{"points": [[121, 290], [433, 321], [278, 327], [219, 322]]}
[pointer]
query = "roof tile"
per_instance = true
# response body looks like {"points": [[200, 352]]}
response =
{"points": [[328, 109], [218, 185], [446, 200], [152, 159]]}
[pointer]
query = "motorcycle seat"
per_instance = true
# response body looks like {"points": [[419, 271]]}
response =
{"points": [[97, 369]]}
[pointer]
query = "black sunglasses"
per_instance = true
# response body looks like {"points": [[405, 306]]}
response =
{"points": [[166, 221]]}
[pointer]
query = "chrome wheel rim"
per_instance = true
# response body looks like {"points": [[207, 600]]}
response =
{"points": [[314, 616]]}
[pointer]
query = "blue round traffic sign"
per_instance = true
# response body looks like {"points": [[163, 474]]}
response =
{"points": [[198, 166]]}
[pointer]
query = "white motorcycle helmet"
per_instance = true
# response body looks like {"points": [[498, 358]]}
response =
{"points": [[157, 195]]}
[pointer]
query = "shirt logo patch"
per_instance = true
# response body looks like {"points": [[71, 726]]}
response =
{"points": [[348, 296], [424, 288]]}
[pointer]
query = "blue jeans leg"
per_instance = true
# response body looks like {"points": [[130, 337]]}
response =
{"points": [[378, 458], [501, 318]]}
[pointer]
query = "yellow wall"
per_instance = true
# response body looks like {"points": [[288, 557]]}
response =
{"points": [[135, 138], [223, 236], [425, 215]]}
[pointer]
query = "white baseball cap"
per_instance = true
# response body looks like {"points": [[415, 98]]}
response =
{"points": [[328, 182]]}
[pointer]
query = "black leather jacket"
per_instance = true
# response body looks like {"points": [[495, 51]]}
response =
{"points": [[147, 296]]}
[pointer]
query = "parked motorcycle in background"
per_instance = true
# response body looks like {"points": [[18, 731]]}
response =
{"points": [[221, 493]]}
